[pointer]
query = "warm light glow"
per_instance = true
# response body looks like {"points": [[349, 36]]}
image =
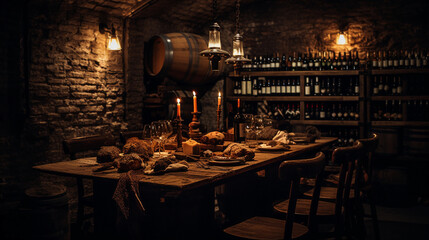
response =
{"points": [[214, 37], [341, 40], [178, 108], [219, 94], [193, 92], [113, 43], [178, 100], [195, 101], [237, 46]]}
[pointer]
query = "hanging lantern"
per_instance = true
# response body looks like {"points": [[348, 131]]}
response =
{"points": [[237, 43], [214, 51]]}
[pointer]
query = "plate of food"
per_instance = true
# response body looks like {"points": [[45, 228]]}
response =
{"points": [[226, 161], [273, 146]]}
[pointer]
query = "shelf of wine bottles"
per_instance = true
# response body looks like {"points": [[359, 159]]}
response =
{"points": [[387, 111], [418, 110], [311, 61], [346, 136], [402, 59], [332, 111], [331, 86], [290, 86], [264, 86]]}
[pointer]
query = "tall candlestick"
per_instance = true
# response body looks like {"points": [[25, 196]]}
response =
{"points": [[178, 107], [218, 102], [195, 102], [238, 103]]}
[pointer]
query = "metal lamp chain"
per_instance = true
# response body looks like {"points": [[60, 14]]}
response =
{"points": [[237, 16], [214, 8]]}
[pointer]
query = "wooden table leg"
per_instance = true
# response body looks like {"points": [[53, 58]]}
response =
{"points": [[104, 209]]}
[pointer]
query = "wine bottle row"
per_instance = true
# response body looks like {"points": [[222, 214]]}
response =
{"points": [[387, 111], [331, 86], [311, 61], [290, 86], [387, 85], [261, 86], [397, 59], [418, 110], [346, 137], [332, 111], [289, 111]]}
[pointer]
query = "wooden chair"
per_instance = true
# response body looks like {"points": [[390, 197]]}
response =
{"points": [[83, 144], [272, 228], [124, 136], [365, 185], [346, 157]]}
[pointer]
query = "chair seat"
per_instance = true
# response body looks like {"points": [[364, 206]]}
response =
{"points": [[264, 228], [328, 193], [303, 207]]}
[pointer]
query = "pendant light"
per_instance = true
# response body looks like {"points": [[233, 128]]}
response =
{"points": [[214, 51], [237, 42]]}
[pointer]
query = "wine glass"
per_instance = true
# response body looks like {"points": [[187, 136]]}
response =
{"points": [[147, 131], [248, 127], [156, 134], [258, 125]]}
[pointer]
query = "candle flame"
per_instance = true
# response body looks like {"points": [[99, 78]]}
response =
{"points": [[219, 94], [193, 92], [178, 100]]}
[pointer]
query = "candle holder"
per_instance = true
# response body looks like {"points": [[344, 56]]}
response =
{"points": [[179, 138], [194, 126], [218, 119]]}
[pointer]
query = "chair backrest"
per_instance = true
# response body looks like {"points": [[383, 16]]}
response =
{"points": [[366, 163], [292, 171], [82, 144], [347, 157], [124, 136]]}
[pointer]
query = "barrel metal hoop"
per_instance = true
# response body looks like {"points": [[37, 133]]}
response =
{"points": [[168, 55], [187, 76], [197, 58]]}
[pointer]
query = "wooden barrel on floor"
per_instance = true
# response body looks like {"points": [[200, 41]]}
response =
{"points": [[417, 142], [47, 213], [177, 56], [388, 141]]}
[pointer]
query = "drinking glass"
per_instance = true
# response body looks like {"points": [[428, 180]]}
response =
{"points": [[248, 127], [156, 134], [258, 125], [147, 132]]}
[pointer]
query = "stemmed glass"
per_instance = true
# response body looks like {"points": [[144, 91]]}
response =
{"points": [[147, 132], [258, 124], [248, 126], [156, 134]]}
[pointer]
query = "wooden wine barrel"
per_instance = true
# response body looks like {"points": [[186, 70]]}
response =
{"points": [[47, 213], [177, 56], [417, 142]]}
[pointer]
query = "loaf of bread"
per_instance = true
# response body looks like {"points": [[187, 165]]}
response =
{"points": [[128, 162], [107, 154], [213, 138], [239, 150], [268, 133], [138, 146]]}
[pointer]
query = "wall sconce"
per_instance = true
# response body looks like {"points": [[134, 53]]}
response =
{"points": [[342, 38], [113, 42]]}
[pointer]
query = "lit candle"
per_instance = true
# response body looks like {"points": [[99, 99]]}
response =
{"points": [[178, 107], [238, 103], [195, 102], [218, 102]]}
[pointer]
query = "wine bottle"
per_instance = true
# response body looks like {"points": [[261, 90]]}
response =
{"points": [[356, 61], [323, 87], [298, 88], [294, 62], [239, 124], [278, 87], [307, 86], [357, 90], [264, 86], [316, 87], [273, 87], [307, 112], [268, 87], [340, 115], [375, 86], [243, 86], [305, 63], [299, 62], [255, 87], [322, 114], [381, 86], [283, 87], [289, 88], [311, 62], [297, 112]]}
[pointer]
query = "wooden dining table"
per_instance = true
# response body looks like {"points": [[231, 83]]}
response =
{"points": [[179, 204]]}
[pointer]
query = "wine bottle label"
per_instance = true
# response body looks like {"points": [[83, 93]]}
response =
{"points": [[322, 115], [401, 62], [412, 62], [293, 89], [288, 89], [385, 64], [307, 90], [390, 62], [418, 63], [317, 64], [399, 89], [298, 89], [386, 88], [277, 65], [242, 130], [316, 89], [299, 64], [273, 89], [380, 87], [293, 64], [344, 63], [356, 89], [394, 90], [425, 62], [395, 63], [346, 114], [255, 92], [356, 116], [235, 91], [352, 114], [284, 89], [278, 89], [333, 115], [264, 90], [249, 88], [407, 62], [374, 64], [268, 90], [340, 114], [380, 64], [239, 91], [399, 116], [375, 90], [311, 64], [243, 88], [323, 90]]}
